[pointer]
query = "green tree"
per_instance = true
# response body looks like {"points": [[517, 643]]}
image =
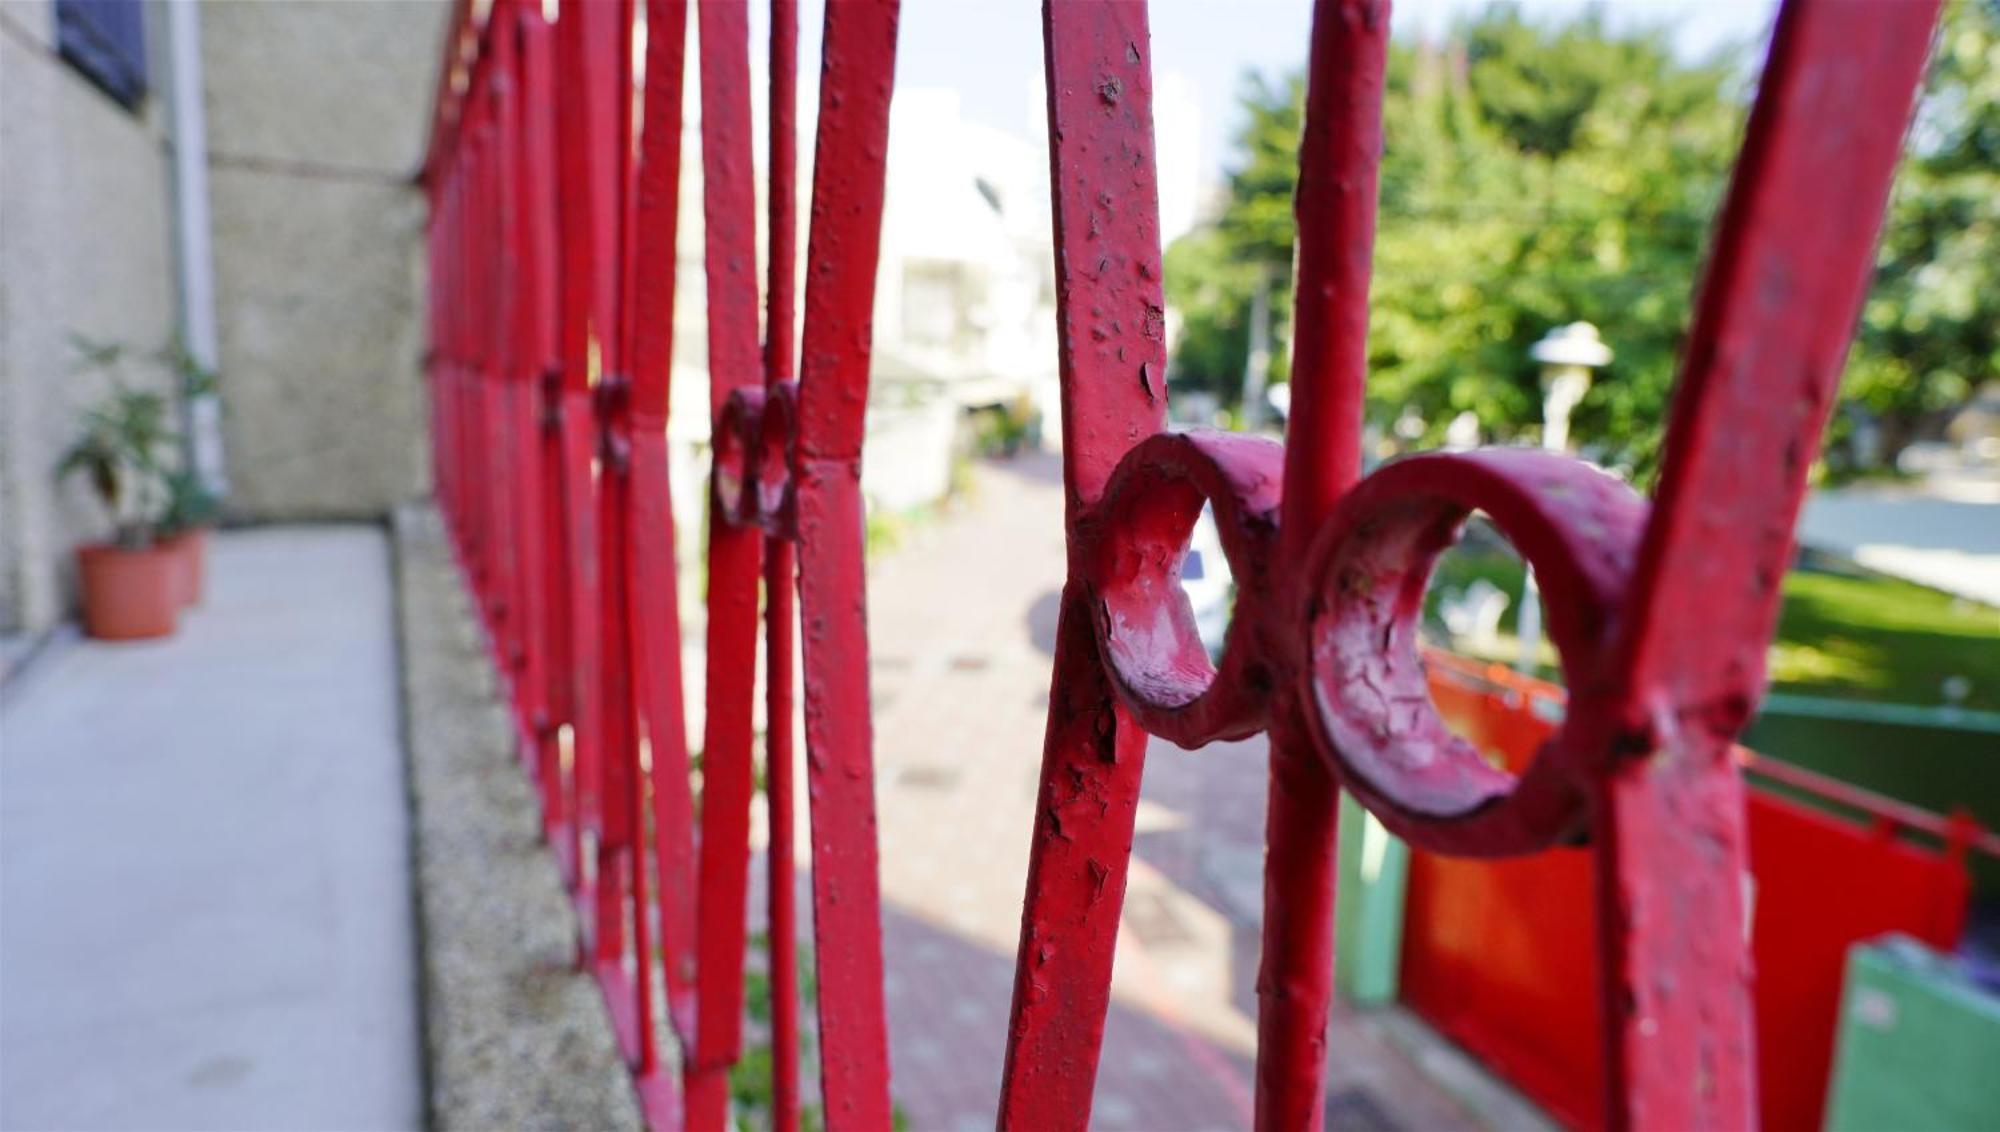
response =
{"points": [[1930, 333], [1212, 272], [1539, 173]]}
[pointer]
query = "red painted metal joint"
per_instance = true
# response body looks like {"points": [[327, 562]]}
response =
{"points": [[755, 451]]}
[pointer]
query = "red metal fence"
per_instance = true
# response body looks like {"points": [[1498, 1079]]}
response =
{"points": [[554, 177]]}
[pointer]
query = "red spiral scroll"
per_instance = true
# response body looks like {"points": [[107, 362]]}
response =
{"points": [[1660, 612]]}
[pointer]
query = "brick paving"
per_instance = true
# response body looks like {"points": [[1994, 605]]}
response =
{"points": [[961, 620]]}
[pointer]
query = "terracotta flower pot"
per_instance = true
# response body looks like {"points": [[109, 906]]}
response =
{"points": [[130, 595], [190, 550]]}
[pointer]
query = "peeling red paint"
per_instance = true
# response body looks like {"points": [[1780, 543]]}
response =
{"points": [[1321, 651], [552, 252]]}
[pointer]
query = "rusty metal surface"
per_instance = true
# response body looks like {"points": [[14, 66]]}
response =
{"points": [[552, 239], [1773, 320], [734, 557], [849, 173], [554, 197], [1110, 324], [780, 568], [653, 563], [1321, 649]]}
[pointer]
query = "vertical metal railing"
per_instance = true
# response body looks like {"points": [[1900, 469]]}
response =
{"points": [[554, 178], [780, 572]]}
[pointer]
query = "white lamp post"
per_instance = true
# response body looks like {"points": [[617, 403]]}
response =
{"points": [[1568, 355]]}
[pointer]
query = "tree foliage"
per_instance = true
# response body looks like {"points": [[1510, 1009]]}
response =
{"points": [[1930, 333], [1540, 173]]}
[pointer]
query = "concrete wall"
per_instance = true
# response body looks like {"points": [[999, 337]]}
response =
{"points": [[318, 113], [85, 247]]}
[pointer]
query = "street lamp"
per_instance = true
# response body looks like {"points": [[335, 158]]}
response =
{"points": [[1568, 356]]}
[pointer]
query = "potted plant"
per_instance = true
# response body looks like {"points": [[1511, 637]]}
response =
{"points": [[132, 584], [190, 514]]}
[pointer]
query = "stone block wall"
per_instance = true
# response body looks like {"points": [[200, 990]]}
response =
{"points": [[86, 247], [318, 114]]}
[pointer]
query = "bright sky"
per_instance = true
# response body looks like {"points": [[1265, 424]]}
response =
{"points": [[989, 51]]}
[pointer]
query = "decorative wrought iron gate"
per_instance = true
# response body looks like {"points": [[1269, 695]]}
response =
{"points": [[554, 175]]}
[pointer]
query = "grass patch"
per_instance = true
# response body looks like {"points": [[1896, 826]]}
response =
{"points": [[1841, 631], [1884, 639]]}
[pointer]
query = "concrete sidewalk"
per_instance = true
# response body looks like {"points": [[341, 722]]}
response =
{"points": [[1950, 544], [205, 908]]}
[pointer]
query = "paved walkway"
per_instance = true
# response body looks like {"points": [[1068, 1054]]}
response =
{"points": [[205, 910], [1951, 544], [961, 624]]}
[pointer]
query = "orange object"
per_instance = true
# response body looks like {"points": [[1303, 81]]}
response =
{"points": [[190, 551], [130, 595], [1497, 953]]}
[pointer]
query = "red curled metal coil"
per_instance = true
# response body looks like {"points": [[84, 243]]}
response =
{"points": [[1130, 549], [1660, 612], [1368, 706]]}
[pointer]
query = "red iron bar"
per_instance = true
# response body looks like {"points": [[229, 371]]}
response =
{"points": [[544, 690], [626, 904], [655, 605], [574, 428], [509, 393], [1111, 324], [1785, 283], [780, 575], [849, 172], [599, 56], [1322, 650], [734, 562]]}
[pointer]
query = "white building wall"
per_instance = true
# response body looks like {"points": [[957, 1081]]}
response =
{"points": [[318, 112], [85, 248]]}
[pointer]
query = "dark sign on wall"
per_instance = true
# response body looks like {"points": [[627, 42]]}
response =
{"points": [[106, 40]]}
